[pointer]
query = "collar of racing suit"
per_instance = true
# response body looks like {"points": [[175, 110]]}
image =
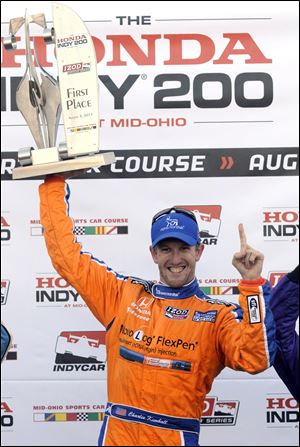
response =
{"points": [[165, 292]]}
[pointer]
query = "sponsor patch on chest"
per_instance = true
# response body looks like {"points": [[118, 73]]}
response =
{"points": [[209, 316], [176, 314]]}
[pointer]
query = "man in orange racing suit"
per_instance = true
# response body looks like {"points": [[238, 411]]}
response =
{"points": [[166, 341]]}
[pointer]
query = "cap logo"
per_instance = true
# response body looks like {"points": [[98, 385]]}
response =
{"points": [[172, 223]]}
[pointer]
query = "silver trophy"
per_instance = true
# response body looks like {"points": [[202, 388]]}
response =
{"points": [[41, 99]]}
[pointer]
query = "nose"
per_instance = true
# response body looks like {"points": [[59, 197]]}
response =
{"points": [[175, 257]]}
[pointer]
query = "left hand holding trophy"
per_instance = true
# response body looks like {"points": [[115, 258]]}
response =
{"points": [[41, 99]]}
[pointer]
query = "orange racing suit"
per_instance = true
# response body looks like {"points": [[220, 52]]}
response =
{"points": [[164, 346]]}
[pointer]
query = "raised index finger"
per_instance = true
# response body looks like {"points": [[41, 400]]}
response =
{"points": [[243, 238]]}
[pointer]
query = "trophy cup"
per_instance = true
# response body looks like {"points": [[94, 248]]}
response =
{"points": [[41, 99]]}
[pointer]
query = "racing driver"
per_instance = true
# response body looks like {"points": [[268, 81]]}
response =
{"points": [[166, 341]]}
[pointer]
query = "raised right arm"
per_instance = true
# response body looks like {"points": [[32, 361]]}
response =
{"points": [[98, 285]]}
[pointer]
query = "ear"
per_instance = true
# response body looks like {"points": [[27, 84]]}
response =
{"points": [[199, 251], [153, 252]]}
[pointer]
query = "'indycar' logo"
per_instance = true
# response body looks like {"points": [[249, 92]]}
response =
{"points": [[219, 412], [76, 349], [209, 222]]}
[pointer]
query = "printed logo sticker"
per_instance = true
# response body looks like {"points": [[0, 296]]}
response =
{"points": [[219, 412], [209, 316], [253, 308], [176, 314]]}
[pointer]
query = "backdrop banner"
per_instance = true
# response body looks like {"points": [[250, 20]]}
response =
{"points": [[199, 103]]}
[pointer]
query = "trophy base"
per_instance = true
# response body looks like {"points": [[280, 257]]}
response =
{"points": [[92, 161]]}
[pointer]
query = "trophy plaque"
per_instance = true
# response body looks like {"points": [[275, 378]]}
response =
{"points": [[42, 99]]}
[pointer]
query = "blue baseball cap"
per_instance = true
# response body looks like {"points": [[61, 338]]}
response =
{"points": [[176, 223]]}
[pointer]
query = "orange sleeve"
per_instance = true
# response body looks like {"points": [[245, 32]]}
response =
{"points": [[246, 335], [98, 285]]}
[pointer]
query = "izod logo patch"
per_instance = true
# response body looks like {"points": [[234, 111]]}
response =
{"points": [[176, 314]]}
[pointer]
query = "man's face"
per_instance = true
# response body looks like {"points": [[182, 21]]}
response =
{"points": [[176, 261]]}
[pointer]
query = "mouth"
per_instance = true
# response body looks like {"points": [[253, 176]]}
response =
{"points": [[176, 269]]}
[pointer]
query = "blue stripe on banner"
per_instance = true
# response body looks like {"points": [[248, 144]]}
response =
{"points": [[190, 439]]}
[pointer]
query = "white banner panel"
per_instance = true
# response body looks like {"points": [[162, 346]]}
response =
{"points": [[199, 102]]}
